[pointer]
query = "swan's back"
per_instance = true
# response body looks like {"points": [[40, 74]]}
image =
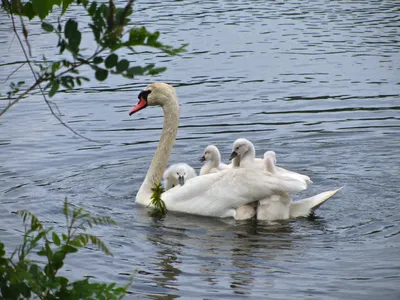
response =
{"points": [[220, 194]]}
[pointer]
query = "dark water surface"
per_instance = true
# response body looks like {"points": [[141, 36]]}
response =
{"points": [[317, 81]]}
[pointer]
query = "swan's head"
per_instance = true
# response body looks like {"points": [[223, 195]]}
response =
{"points": [[154, 94], [240, 147], [211, 153]]}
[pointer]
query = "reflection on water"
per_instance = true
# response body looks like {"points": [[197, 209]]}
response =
{"points": [[315, 81]]}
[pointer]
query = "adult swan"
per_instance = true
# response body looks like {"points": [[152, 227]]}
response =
{"points": [[218, 194]]}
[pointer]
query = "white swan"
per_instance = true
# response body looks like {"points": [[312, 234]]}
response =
{"points": [[177, 174], [244, 149], [218, 194], [213, 164]]}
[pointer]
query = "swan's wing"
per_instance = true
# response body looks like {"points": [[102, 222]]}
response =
{"points": [[294, 175], [219, 194]]}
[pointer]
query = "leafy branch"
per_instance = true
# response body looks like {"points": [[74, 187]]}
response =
{"points": [[22, 277], [112, 32], [159, 208]]}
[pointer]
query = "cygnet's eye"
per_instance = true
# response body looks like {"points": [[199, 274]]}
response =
{"points": [[237, 148], [177, 173]]}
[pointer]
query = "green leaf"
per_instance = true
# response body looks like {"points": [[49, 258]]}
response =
{"points": [[56, 239], [122, 65], [54, 88], [137, 36], [24, 290], [111, 60], [6, 292], [97, 60], [92, 8], [65, 5], [73, 35], [27, 10], [156, 71], [34, 270], [101, 74], [70, 29], [62, 44], [135, 71], [69, 249], [63, 281], [152, 39], [58, 260], [49, 252], [47, 27], [55, 67], [41, 8]]}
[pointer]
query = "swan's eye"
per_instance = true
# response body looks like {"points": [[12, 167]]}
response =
{"points": [[144, 94], [177, 173], [237, 148]]}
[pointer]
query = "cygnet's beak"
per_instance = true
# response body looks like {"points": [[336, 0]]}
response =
{"points": [[203, 158], [181, 180], [233, 155]]}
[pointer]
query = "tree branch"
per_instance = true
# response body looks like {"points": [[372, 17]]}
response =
{"points": [[13, 72], [37, 83]]}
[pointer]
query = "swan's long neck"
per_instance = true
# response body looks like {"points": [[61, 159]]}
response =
{"points": [[163, 152]]}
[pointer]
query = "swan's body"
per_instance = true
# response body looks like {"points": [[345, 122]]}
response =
{"points": [[177, 174], [246, 152], [219, 194], [213, 164]]}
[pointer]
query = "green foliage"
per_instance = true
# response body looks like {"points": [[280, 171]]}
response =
{"points": [[159, 209], [112, 31], [21, 277]]}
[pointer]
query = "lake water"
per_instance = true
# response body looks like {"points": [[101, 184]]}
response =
{"points": [[316, 81]]}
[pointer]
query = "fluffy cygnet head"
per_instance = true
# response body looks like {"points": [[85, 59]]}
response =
{"points": [[178, 174], [211, 153], [241, 147]]}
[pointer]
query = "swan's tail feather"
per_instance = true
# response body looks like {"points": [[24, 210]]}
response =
{"points": [[302, 208]]}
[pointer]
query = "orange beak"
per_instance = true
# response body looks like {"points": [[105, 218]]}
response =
{"points": [[140, 105]]}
